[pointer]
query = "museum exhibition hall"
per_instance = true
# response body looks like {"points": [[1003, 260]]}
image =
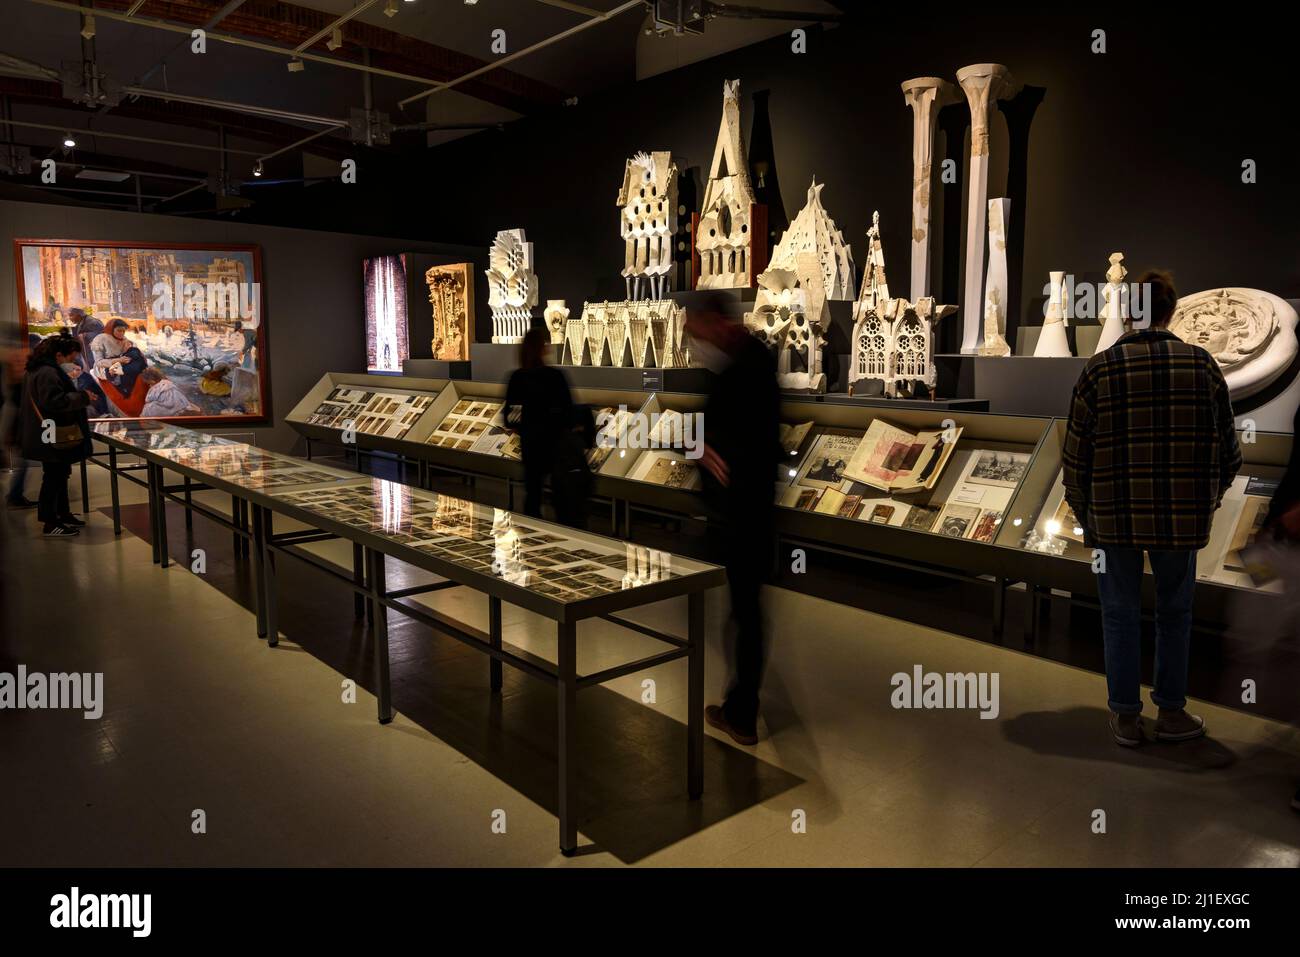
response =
{"points": [[337, 583]]}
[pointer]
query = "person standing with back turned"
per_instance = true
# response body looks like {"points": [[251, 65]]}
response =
{"points": [[738, 466], [1150, 449]]}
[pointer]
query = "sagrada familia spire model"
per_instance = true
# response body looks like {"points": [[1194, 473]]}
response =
{"points": [[724, 240]]}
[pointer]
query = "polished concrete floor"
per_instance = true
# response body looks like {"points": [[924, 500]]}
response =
{"points": [[200, 715]]}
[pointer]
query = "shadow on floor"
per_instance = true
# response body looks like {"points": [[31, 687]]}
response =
{"points": [[631, 759]]}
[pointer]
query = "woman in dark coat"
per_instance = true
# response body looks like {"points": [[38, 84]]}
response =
{"points": [[51, 405]]}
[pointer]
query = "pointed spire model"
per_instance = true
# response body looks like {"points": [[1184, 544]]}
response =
{"points": [[724, 240]]}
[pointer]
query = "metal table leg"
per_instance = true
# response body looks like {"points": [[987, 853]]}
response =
{"points": [[359, 578], [151, 485], [164, 558], [309, 450], [112, 488], [85, 489], [566, 695], [695, 696], [235, 518], [383, 685], [259, 579], [270, 590], [494, 636]]}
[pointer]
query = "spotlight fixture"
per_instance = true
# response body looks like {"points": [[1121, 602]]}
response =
{"points": [[257, 168], [295, 65], [336, 39], [390, 8], [68, 141], [88, 26]]}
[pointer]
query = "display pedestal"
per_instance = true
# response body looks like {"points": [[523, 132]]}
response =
{"points": [[437, 368], [1012, 385], [494, 361], [880, 402]]}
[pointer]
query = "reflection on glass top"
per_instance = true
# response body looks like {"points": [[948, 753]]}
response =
{"points": [[251, 467], [561, 563], [151, 434]]}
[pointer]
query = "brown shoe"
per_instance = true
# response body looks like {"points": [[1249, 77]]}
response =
{"points": [[715, 716], [1178, 725], [1127, 729]]}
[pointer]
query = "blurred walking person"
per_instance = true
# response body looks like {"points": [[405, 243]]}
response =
{"points": [[55, 429], [553, 436], [738, 469], [11, 421], [1150, 448]]}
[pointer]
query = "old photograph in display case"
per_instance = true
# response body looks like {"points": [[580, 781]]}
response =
{"points": [[167, 331]]}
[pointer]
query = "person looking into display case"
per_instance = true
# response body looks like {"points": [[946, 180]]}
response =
{"points": [[742, 445], [55, 430], [1150, 449], [552, 438]]}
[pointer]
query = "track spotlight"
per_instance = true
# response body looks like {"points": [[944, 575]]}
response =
{"points": [[295, 65], [390, 8], [257, 168], [88, 26], [68, 141], [336, 39]]}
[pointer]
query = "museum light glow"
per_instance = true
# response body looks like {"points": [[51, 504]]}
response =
{"points": [[68, 141]]}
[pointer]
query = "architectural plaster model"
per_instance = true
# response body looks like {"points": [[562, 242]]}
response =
{"points": [[995, 284], [451, 294], [649, 333], [724, 240], [1052, 341], [1250, 333], [983, 84], [926, 95], [648, 220], [893, 338], [556, 315], [512, 285], [1114, 308], [813, 232]]}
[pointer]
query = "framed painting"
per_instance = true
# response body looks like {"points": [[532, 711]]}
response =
{"points": [[387, 334], [167, 331]]}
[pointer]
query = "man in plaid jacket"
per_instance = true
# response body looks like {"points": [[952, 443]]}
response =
{"points": [[1149, 451]]}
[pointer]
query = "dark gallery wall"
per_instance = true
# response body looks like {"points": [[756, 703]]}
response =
{"points": [[1138, 150], [311, 286]]}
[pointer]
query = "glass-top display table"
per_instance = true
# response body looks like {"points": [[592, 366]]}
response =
{"points": [[560, 573]]}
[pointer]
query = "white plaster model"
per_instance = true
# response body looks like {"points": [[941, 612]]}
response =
{"points": [[647, 333], [512, 285], [983, 84], [647, 222], [893, 338], [784, 318], [1114, 307], [926, 95], [995, 284], [1250, 333], [1052, 341], [872, 345], [556, 315], [813, 232], [724, 240]]}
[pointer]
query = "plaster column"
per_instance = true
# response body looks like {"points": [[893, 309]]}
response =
{"points": [[926, 95], [983, 84]]}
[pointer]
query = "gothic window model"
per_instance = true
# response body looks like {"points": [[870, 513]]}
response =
{"points": [[451, 294], [648, 220], [649, 333], [512, 285], [724, 240], [872, 345]]}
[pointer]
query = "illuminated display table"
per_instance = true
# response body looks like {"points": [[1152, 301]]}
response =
{"points": [[560, 573]]}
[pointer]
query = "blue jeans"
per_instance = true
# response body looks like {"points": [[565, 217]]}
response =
{"points": [[1120, 589]]}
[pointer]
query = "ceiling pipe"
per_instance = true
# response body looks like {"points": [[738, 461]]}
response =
{"points": [[286, 52], [252, 110], [518, 54], [137, 139]]}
